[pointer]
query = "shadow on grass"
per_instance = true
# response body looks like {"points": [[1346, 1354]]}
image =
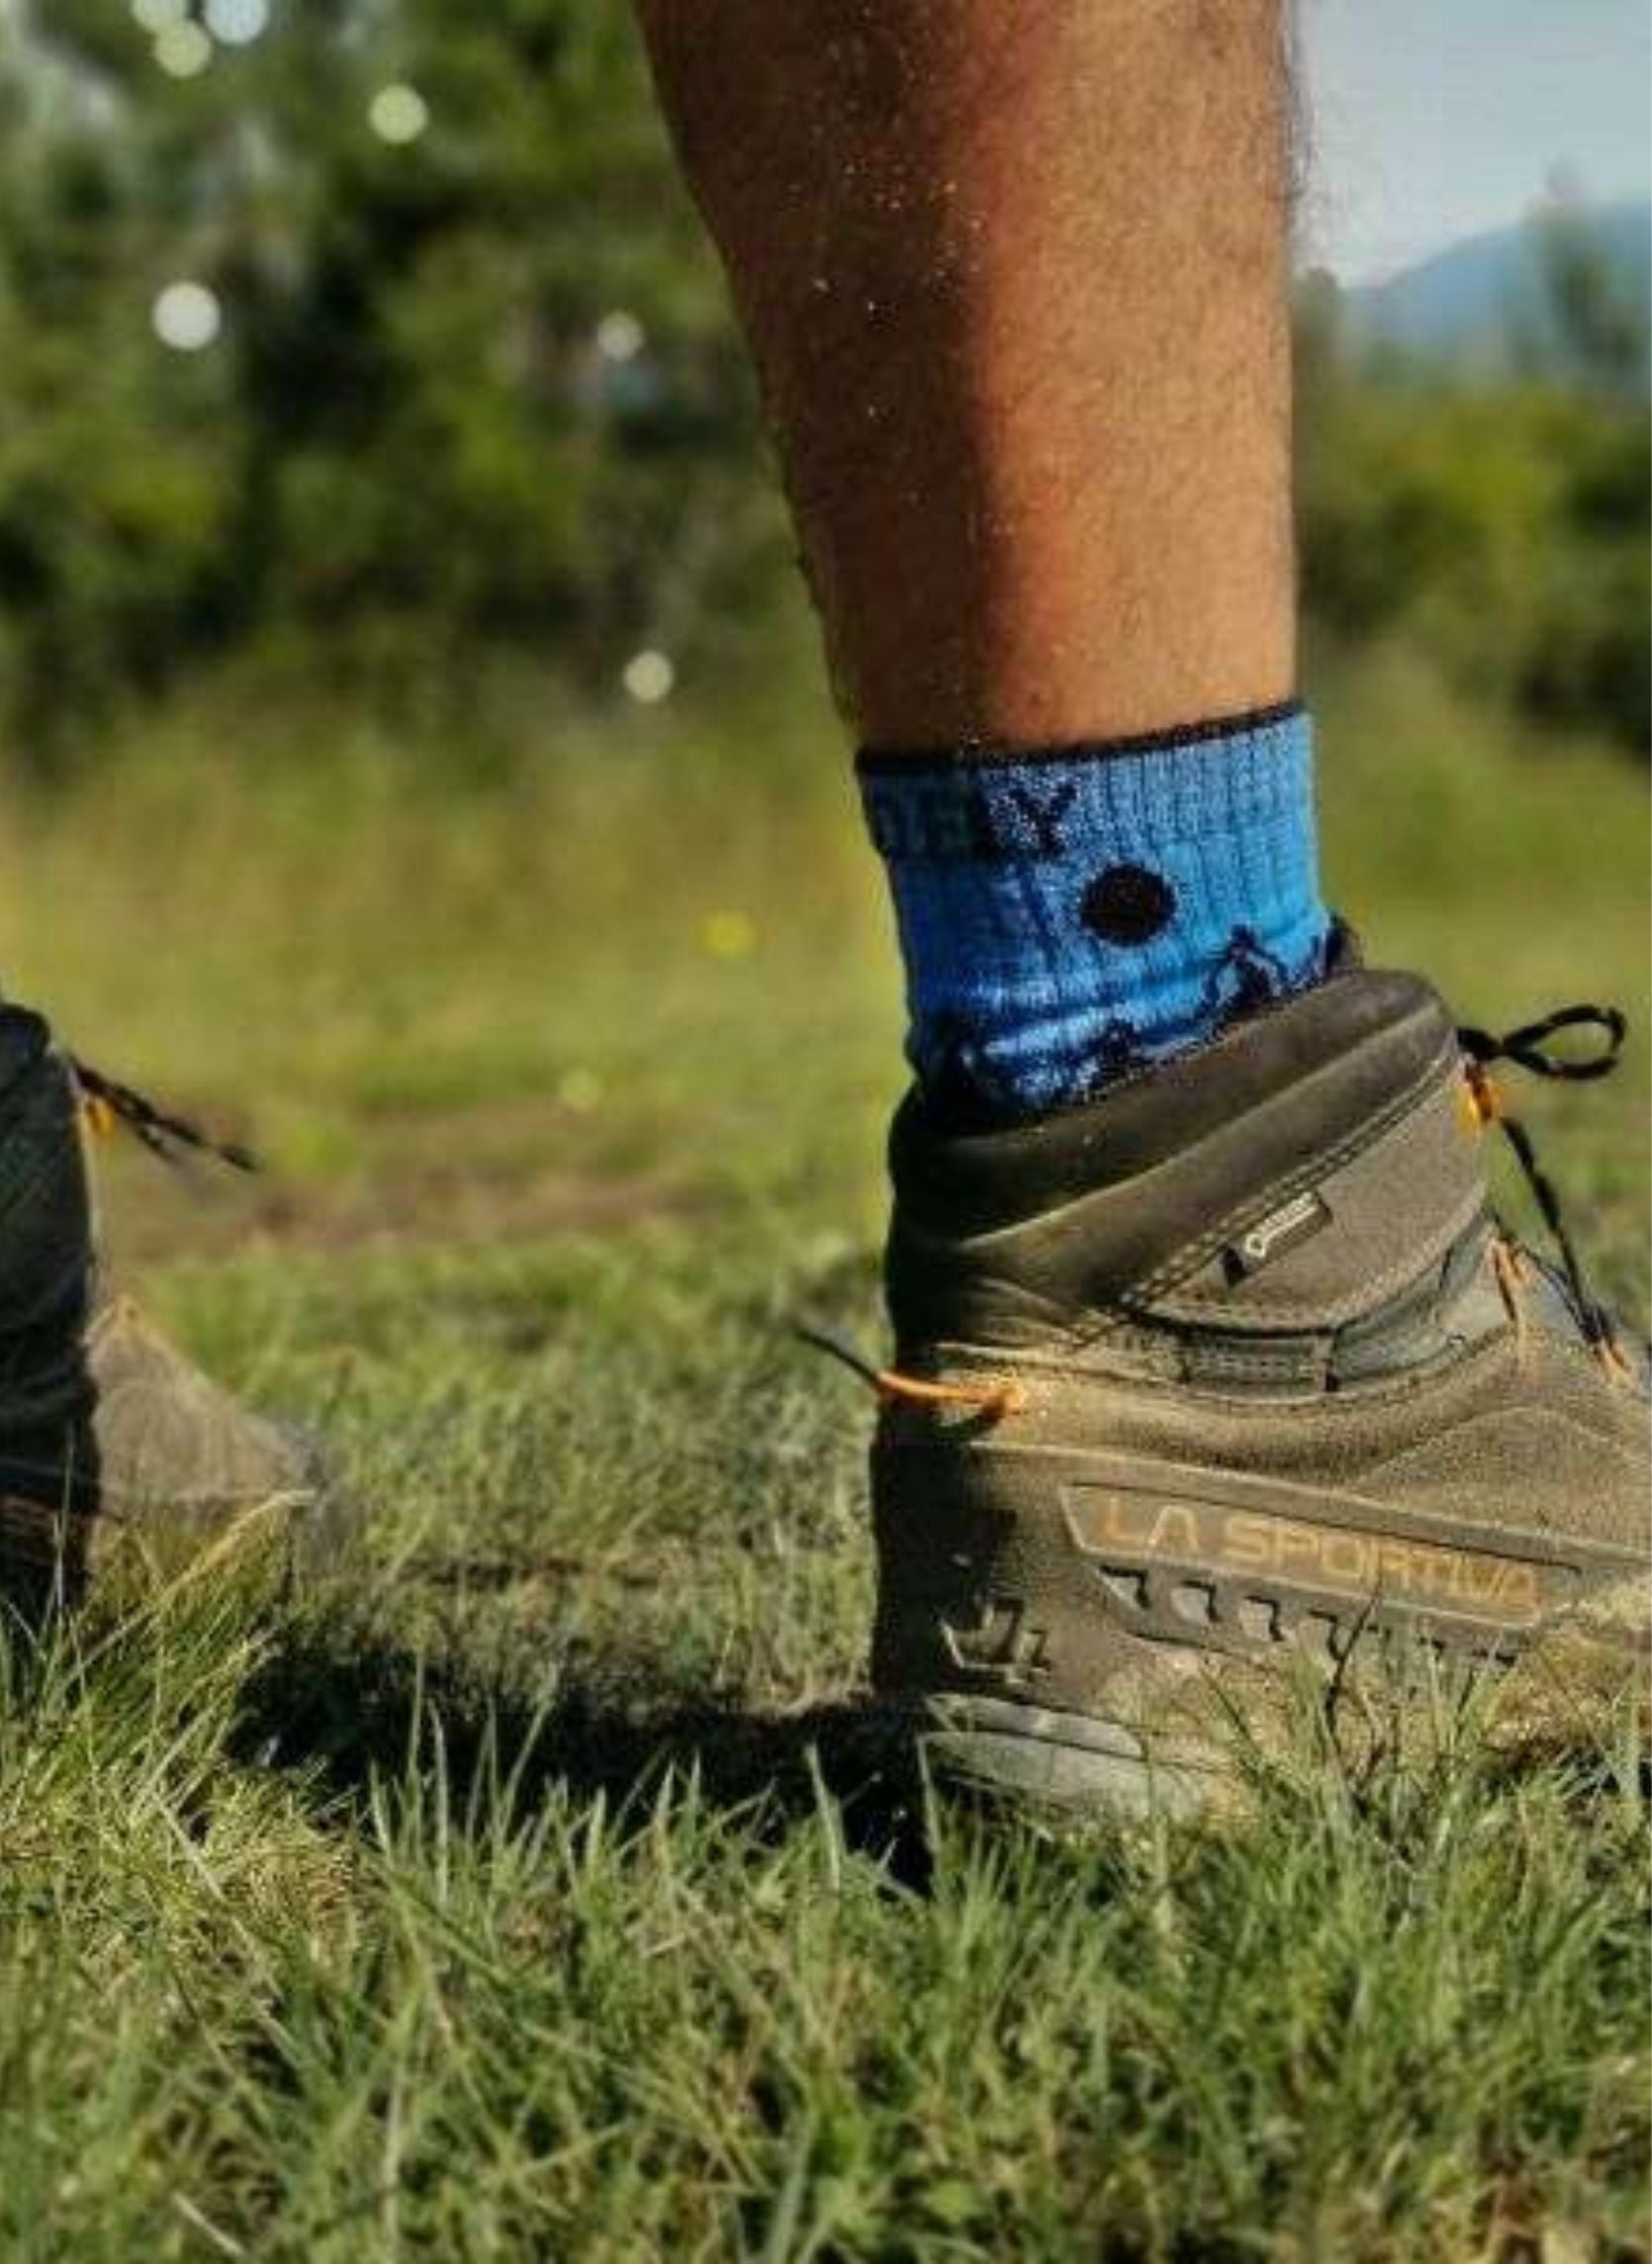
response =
{"points": [[363, 1710]]}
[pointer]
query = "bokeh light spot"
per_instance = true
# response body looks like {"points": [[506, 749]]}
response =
{"points": [[729, 935], [399, 114], [182, 50], [619, 336], [186, 317], [649, 678], [237, 22]]}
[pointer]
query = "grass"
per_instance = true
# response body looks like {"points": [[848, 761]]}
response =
{"points": [[544, 1890]]}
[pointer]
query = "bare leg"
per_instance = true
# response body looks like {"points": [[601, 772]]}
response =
{"points": [[1014, 279]]}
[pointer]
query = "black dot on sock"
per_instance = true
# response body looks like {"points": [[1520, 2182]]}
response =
{"points": [[1126, 903]]}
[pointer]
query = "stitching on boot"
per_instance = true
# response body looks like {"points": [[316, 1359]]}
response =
{"points": [[1193, 1254]]}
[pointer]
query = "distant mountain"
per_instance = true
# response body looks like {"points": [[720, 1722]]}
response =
{"points": [[1485, 302]]}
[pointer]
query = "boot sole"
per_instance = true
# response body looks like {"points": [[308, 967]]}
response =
{"points": [[1071, 1766]]}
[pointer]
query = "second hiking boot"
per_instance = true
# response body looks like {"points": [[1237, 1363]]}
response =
{"points": [[118, 1459], [1230, 1368]]}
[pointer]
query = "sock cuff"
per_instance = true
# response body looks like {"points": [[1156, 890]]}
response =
{"points": [[898, 762], [1241, 775], [1070, 915]]}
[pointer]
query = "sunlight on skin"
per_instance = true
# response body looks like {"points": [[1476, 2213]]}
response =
{"points": [[1026, 358]]}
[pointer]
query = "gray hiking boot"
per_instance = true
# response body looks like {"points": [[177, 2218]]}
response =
{"points": [[1235, 1367], [114, 1453]]}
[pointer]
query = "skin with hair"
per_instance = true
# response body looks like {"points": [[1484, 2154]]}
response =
{"points": [[1015, 282]]}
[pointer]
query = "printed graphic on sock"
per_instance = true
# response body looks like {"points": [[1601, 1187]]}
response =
{"points": [[1068, 917]]}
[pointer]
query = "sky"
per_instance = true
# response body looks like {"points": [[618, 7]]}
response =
{"points": [[1431, 120]]}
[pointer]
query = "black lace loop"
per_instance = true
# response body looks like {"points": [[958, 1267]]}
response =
{"points": [[1524, 1046], [1524, 1049], [163, 1135]]}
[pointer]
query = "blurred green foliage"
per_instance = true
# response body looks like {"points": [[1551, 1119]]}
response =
{"points": [[1501, 525], [408, 435], [479, 389]]}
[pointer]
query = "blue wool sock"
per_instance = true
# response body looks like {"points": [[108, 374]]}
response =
{"points": [[1067, 917]]}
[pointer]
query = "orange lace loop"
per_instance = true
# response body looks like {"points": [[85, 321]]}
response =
{"points": [[1485, 1103], [991, 1400], [98, 1117]]}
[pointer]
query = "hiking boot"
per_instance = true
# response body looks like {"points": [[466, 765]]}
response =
{"points": [[1232, 1367], [114, 1450]]}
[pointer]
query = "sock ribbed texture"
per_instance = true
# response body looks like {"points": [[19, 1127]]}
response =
{"points": [[1069, 916]]}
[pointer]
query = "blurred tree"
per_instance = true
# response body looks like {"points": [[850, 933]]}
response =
{"points": [[475, 378], [1590, 322], [1503, 522]]}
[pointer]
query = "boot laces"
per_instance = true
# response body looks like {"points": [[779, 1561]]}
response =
{"points": [[107, 1106], [1528, 1048], [992, 1400]]}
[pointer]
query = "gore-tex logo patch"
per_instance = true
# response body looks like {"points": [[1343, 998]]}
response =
{"points": [[1283, 1229]]}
